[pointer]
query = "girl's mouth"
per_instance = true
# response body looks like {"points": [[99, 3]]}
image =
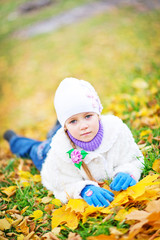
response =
{"points": [[85, 134]]}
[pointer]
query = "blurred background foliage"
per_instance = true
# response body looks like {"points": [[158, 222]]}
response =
{"points": [[110, 50]]}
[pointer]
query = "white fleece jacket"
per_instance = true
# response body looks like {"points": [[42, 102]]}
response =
{"points": [[118, 152]]}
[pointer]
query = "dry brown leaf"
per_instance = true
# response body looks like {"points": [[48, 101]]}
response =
{"points": [[153, 206], [115, 231], [19, 218], [9, 191], [13, 210], [22, 227], [3, 238], [46, 200], [29, 236], [137, 215], [136, 228], [48, 208], [56, 230], [154, 219], [74, 236], [49, 236], [4, 224]]}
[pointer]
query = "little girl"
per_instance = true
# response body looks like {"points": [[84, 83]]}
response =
{"points": [[85, 151]]}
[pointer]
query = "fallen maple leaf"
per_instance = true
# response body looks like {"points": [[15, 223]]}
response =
{"points": [[63, 215], [90, 210], [37, 214], [9, 191], [77, 205]]}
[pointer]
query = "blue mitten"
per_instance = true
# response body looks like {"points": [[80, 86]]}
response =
{"points": [[97, 196], [122, 181]]}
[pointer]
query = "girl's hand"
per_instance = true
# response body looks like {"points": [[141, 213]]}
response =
{"points": [[96, 196], [122, 181]]}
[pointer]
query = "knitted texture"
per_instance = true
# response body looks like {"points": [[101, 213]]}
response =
{"points": [[75, 96], [91, 145]]}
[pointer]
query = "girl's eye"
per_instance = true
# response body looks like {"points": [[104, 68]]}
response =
{"points": [[73, 122], [88, 116]]}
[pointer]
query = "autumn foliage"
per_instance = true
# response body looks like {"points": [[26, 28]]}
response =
{"points": [[134, 213]]}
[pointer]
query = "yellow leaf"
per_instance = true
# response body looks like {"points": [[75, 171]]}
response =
{"points": [[26, 184], [19, 218], [135, 191], [63, 215], [123, 213], [145, 132], [4, 224], [20, 237], [25, 175], [77, 205], [90, 210], [10, 191], [140, 188], [22, 227], [56, 202], [102, 237], [156, 165], [36, 178], [24, 209], [120, 199], [36, 214]]}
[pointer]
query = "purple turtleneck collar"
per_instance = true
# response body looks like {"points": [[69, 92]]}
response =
{"points": [[91, 145]]}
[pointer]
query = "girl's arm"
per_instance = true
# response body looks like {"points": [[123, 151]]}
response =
{"points": [[127, 158], [63, 178]]}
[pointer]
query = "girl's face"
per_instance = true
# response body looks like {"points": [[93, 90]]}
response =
{"points": [[83, 126]]}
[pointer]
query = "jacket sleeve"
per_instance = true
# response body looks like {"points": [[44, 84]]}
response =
{"points": [[125, 154], [62, 178]]}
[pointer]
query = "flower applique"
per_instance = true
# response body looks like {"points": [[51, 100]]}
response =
{"points": [[77, 156]]}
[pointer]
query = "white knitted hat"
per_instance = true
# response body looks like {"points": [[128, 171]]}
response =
{"points": [[75, 96]]}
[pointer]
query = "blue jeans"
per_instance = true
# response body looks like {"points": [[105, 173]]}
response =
{"points": [[32, 149]]}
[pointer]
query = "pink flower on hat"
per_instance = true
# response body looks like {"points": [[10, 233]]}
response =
{"points": [[76, 156], [95, 101]]}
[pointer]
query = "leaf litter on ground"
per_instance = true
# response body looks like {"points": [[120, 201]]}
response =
{"points": [[28, 211]]}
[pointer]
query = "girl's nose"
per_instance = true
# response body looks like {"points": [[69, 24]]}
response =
{"points": [[83, 125]]}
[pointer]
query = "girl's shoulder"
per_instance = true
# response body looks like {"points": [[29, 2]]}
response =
{"points": [[111, 120]]}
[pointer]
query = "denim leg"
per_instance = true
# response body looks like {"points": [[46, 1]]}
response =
{"points": [[53, 131], [31, 149]]}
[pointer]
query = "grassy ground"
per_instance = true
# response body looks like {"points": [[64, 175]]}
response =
{"points": [[118, 52]]}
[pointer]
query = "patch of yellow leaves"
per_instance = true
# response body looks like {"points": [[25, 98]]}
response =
{"points": [[144, 191]]}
